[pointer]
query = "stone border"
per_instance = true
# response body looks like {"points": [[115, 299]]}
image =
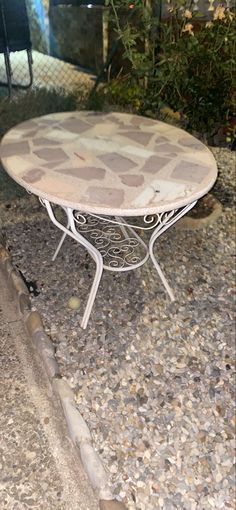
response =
{"points": [[78, 429], [189, 223]]}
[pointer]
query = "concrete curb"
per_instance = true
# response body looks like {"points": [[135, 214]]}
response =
{"points": [[78, 429], [189, 223]]}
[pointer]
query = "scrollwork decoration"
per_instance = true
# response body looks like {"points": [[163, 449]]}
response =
{"points": [[115, 238], [149, 221], [117, 246], [80, 218]]}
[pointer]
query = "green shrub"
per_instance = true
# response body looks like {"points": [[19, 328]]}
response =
{"points": [[184, 62], [196, 73]]}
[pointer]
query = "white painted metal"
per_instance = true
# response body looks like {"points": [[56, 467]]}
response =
{"points": [[91, 250], [60, 243], [168, 220], [114, 240]]}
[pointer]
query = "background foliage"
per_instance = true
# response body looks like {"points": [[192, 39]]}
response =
{"points": [[185, 63]]}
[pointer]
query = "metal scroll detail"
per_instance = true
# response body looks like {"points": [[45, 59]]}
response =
{"points": [[120, 247], [117, 240], [112, 243], [149, 221]]}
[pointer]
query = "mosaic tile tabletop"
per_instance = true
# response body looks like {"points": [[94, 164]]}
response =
{"points": [[113, 163]]}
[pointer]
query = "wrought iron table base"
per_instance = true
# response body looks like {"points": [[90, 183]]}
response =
{"points": [[115, 241]]}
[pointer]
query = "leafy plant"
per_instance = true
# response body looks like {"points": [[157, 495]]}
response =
{"points": [[184, 62]]}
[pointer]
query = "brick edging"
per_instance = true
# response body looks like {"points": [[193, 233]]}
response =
{"points": [[190, 223], [78, 429]]}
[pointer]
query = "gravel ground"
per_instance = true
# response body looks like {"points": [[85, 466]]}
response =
{"points": [[39, 468], [153, 379], [27, 463]]}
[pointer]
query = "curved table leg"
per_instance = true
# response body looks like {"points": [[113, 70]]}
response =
{"points": [[161, 274], [97, 257], [70, 229], [60, 242], [167, 222]]}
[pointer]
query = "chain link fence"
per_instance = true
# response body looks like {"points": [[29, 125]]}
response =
{"points": [[71, 40], [48, 72], [67, 47]]}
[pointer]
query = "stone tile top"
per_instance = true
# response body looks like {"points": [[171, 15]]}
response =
{"points": [[108, 163]]}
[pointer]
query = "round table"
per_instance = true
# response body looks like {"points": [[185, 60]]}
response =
{"points": [[103, 169]]}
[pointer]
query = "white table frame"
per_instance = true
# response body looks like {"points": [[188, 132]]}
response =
{"points": [[122, 245]]}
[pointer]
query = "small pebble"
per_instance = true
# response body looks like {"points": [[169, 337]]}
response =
{"points": [[153, 379], [74, 303]]}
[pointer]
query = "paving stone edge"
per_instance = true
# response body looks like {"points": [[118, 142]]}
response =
{"points": [[189, 223], [78, 429]]}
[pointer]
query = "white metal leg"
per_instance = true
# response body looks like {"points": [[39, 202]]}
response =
{"points": [[123, 229], [166, 223], [60, 243], [121, 249], [162, 276], [97, 257], [91, 250]]}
